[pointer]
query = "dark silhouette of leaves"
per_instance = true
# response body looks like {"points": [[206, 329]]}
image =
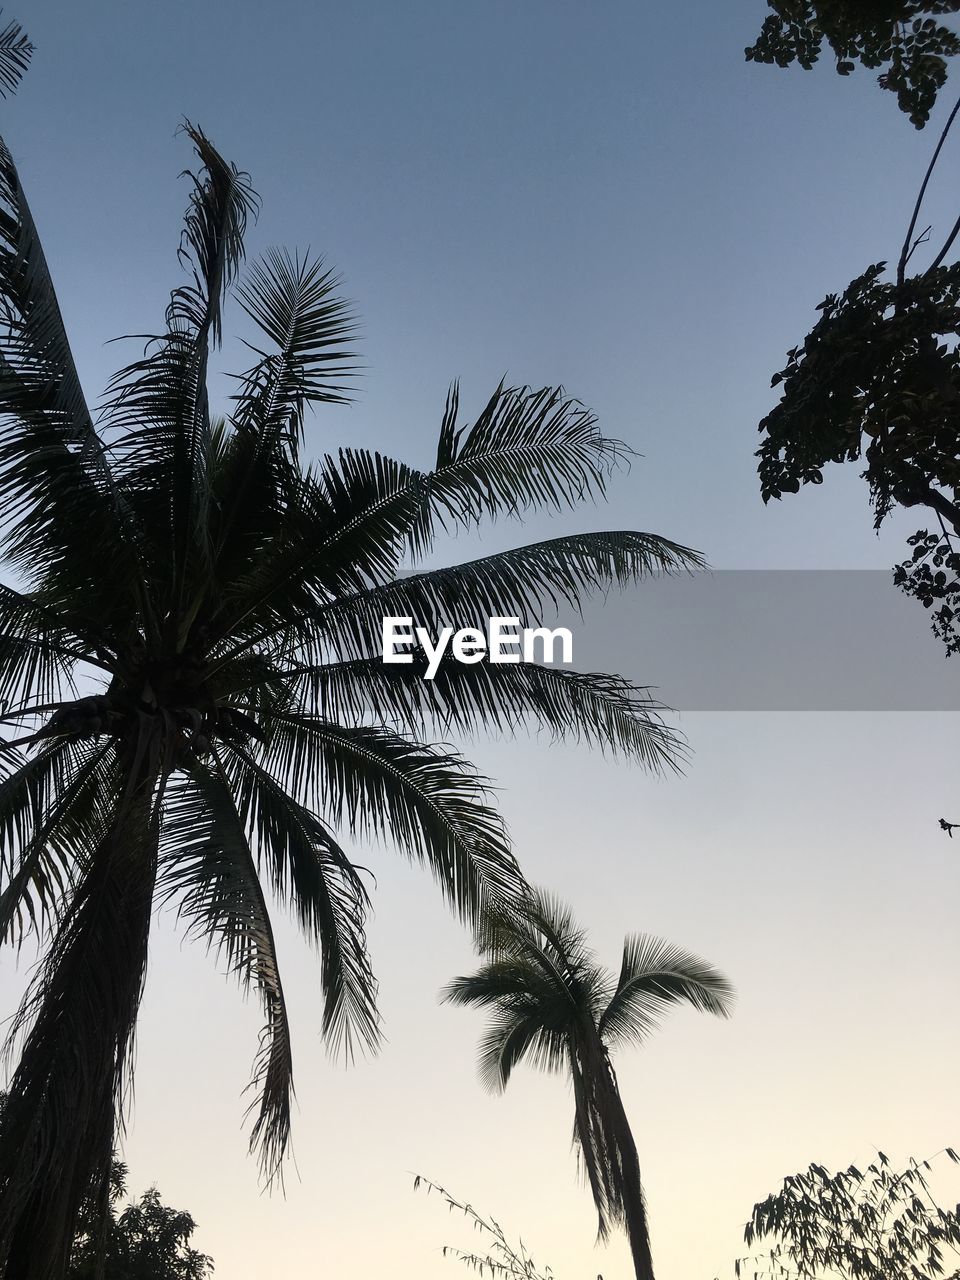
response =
{"points": [[15, 54], [903, 37], [854, 1224]]}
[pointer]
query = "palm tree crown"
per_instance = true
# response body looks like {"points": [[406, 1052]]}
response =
{"points": [[553, 1005], [192, 657]]}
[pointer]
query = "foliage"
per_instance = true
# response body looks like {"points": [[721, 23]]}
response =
{"points": [[224, 601], [15, 54], [901, 36], [877, 379], [502, 1261], [868, 1225], [553, 1004], [932, 576], [145, 1241]]}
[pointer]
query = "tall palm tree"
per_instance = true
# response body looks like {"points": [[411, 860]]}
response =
{"points": [[192, 657], [554, 1005]]}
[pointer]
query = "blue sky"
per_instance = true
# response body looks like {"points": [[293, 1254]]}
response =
{"points": [[606, 196]]}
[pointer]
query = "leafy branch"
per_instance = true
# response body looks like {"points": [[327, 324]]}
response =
{"points": [[501, 1261], [858, 1225]]}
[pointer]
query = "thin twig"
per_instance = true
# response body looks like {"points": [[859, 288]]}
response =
{"points": [[922, 238], [946, 248], [905, 252]]}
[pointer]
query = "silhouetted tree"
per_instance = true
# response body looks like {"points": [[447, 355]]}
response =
{"points": [[228, 601], [553, 1004], [901, 36], [851, 1225], [877, 379], [147, 1240]]}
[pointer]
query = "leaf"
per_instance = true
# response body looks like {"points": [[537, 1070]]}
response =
{"points": [[15, 53]]}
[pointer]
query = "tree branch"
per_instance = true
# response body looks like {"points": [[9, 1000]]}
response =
{"points": [[906, 250]]}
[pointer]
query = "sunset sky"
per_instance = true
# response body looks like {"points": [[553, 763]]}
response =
{"points": [[609, 197]]}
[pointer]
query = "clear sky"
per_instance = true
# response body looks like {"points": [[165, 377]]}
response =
{"points": [[606, 196]]}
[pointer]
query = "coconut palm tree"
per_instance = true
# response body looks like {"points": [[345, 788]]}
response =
{"points": [[553, 1005], [190, 667]]}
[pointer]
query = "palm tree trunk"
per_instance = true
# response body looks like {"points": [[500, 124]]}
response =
{"points": [[633, 1202], [608, 1149], [59, 1125]]}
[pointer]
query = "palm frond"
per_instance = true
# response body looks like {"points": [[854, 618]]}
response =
{"points": [[50, 817], [246, 499], [526, 584], [654, 976], [295, 302], [207, 865], [60, 504], [530, 1017], [341, 530], [429, 800], [526, 450], [309, 869], [160, 401], [543, 935], [211, 247], [529, 582], [40, 648], [513, 1037], [507, 981], [607, 712], [26, 791], [15, 54]]}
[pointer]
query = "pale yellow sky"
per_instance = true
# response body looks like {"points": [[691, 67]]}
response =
{"points": [[801, 854]]}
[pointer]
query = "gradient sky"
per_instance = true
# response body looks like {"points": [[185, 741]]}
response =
{"points": [[604, 195]]}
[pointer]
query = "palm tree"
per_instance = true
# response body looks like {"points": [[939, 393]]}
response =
{"points": [[554, 1005], [192, 656]]}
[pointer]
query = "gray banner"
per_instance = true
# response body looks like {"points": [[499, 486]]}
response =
{"points": [[771, 640]]}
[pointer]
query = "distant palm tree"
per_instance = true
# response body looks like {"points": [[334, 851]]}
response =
{"points": [[193, 657], [555, 1006]]}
